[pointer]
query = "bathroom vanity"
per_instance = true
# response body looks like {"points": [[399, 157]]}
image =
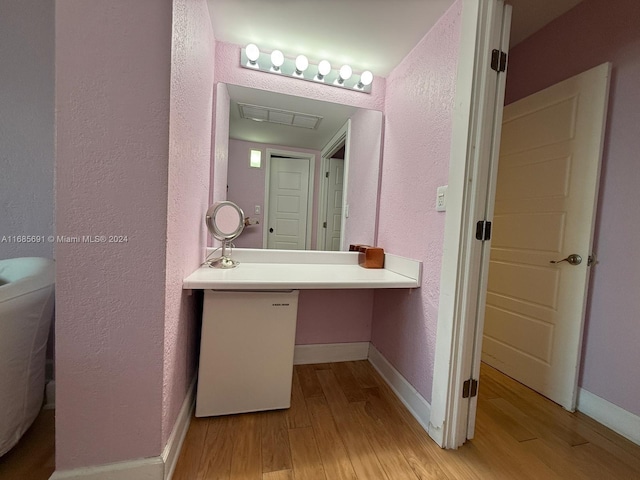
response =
{"points": [[249, 319], [261, 269]]}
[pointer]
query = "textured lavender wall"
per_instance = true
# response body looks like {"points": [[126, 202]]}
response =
{"points": [[365, 144], [113, 64], [228, 70], [417, 141], [334, 316], [26, 126], [246, 187], [192, 62], [594, 32]]}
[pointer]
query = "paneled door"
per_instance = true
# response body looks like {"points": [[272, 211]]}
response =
{"points": [[288, 203], [545, 206]]}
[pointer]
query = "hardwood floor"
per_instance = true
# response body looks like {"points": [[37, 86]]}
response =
{"points": [[33, 456], [345, 423]]}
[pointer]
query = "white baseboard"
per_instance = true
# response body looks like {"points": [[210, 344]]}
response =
{"points": [[142, 469], [174, 444], [617, 419], [153, 468], [409, 396], [330, 352]]}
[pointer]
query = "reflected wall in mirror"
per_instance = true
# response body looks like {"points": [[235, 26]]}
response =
{"points": [[317, 184]]}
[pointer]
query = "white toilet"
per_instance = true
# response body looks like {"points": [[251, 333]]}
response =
{"points": [[26, 309]]}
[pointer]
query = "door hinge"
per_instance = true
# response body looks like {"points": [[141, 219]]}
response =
{"points": [[498, 61], [470, 388], [483, 230], [324, 224]]}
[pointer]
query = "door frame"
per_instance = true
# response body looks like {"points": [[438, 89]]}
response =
{"points": [[327, 151], [267, 190], [476, 132]]}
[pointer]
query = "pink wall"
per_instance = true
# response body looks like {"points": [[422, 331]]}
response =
{"points": [[228, 70], [113, 62], [334, 316], [365, 153], [192, 61], [417, 140], [246, 187], [594, 32], [26, 126]]}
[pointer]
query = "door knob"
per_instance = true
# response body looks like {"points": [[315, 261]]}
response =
{"points": [[573, 259], [271, 230]]}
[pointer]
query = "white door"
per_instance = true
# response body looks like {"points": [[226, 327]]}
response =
{"points": [[334, 204], [544, 211], [288, 203]]}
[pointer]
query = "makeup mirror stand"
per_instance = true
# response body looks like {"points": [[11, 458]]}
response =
{"points": [[225, 221]]}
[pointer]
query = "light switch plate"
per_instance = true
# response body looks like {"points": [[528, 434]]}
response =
{"points": [[441, 199]]}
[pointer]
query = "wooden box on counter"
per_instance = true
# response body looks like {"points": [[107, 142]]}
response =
{"points": [[369, 257]]}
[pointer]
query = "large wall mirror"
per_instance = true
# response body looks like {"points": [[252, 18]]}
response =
{"points": [[305, 172]]}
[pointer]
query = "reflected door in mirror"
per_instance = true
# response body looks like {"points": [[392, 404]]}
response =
{"points": [[288, 203]]}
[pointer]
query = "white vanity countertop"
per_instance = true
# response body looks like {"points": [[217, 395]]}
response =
{"points": [[282, 269]]}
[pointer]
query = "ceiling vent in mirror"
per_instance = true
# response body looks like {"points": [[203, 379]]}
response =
{"points": [[282, 117]]}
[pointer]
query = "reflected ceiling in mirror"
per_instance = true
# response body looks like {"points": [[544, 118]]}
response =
{"points": [[290, 118]]}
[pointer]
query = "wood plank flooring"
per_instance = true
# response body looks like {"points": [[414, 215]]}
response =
{"points": [[345, 423], [32, 458]]}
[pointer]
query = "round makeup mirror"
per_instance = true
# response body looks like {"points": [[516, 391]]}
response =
{"points": [[225, 221]]}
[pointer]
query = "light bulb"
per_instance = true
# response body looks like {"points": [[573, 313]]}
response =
{"points": [[253, 53], [345, 72], [301, 64], [366, 78], [277, 59], [324, 67]]}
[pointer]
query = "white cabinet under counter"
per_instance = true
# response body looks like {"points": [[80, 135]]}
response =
{"points": [[286, 269], [246, 354], [250, 315]]}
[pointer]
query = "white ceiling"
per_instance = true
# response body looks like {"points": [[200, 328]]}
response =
{"points": [[367, 34]]}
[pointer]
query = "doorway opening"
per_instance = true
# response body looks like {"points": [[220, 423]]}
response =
{"points": [[331, 197]]}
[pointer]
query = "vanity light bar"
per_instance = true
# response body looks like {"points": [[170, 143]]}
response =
{"points": [[299, 67]]}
